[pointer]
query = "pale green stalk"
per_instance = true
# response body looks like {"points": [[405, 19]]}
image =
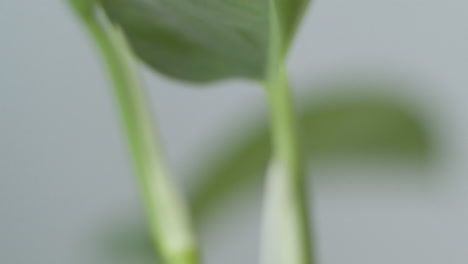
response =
{"points": [[286, 234], [167, 215]]}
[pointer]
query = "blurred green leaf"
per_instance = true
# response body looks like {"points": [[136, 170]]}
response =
{"points": [[204, 40], [345, 127], [363, 127], [285, 16], [198, 41]]}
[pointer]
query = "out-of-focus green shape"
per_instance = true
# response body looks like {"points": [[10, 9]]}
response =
{"points": [[205, 40], [285, 16], [198, 41], [84, 7], [341, 127]]}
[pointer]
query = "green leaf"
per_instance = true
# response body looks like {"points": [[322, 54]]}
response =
{"points": [[338, 127], [203, 40], [199, 41], [285, 16]]}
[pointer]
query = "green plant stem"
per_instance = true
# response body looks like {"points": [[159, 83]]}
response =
{"points": [[166, 212], [286, 234]]}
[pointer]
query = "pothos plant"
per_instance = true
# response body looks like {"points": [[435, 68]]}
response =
{"points": [[203, 41]]}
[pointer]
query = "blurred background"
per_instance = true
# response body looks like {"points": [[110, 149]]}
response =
{"points": [[382, 85]]}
